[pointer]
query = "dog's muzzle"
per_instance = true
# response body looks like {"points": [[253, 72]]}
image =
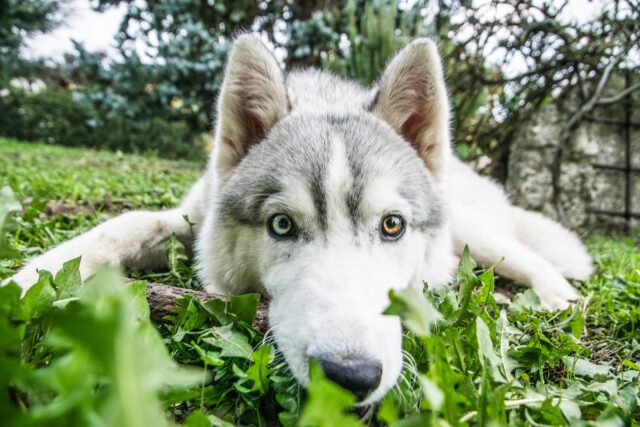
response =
{"points": [[359, 375]]}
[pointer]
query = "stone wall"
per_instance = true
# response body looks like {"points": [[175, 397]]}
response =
{"points": [[583, 187]]}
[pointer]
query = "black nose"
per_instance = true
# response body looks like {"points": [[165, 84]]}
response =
{"points": [[360, 376]]}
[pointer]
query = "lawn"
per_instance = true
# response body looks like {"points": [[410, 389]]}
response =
{"points": [[87, 354]]}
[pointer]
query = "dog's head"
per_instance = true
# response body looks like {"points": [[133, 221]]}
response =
{"points": [[325, 209]]}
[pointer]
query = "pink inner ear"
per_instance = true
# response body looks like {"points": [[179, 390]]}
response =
{"points": [[417, 94], [251, 84], [412, 127], [413, 130], [254, 129]]}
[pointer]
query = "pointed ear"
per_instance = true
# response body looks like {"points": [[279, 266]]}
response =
{"points": [[253, 98], [412, 98]]}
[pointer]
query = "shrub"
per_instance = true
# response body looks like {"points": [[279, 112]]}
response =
{"points": [[53, 116], [166, 139], [49, 116]]}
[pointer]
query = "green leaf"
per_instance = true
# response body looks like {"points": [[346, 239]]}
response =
{"points": [[176, 255], [238, 307], [232, 342], [244, 307], [40, 297], [488, 281], [577, 324], [585, 368], [197, 419], [526, 300], [259, 371], [200, 419], [68, 279], [466, 270], [387, 411], [211, 358], [415, 420], [630, 364], [327, 402], [432, 393], [488, 358], [189, 315], [178, 262], [110, 346], [468, 281], [12, 332], [504, 330], [417, 312], [571, 410], [8, 204]]}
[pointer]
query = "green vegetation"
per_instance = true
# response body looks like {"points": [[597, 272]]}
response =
{"points": [[89, 355], [501, 62], [67, 191], [55, 116]]}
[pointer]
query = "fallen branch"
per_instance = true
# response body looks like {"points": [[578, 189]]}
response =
{"points": [[162, 301]]}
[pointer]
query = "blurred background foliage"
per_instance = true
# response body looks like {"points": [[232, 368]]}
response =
{"points": [[503, 60]]}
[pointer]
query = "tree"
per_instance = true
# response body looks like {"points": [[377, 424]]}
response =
{"points": [[172, 53], [19, 19], [171, 61], [556, 53], [503, 59]]}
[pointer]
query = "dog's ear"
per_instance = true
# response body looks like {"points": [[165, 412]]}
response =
{"points": [[412, 98], [252, 99]]}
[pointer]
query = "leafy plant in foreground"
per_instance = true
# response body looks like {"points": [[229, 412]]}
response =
{"points": [[482, 364], [84, 356], [470, 359]]}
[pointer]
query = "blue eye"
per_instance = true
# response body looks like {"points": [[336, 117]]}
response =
{"points": [[392, 227], [280, 225]]}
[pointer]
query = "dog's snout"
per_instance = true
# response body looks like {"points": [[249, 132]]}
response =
{"points": [[360, 376]]}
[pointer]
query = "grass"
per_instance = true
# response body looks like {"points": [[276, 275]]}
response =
{"points": [[67, 191], [73, 354]]}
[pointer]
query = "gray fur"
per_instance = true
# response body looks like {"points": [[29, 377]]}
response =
{"points": [[319, 90], [299, 147]]}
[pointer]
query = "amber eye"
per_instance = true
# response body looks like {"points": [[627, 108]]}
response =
{"points": [[280, 225], [392, 227]]}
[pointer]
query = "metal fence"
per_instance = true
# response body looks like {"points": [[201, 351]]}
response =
{"points": [[628, 125]]}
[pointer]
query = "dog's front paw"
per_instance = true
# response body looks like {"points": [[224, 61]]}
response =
{"points": [[556, 294]]}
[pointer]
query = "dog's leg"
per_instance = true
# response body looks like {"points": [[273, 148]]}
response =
{"points": [[559, 246], [134, 239], [520, 263]]}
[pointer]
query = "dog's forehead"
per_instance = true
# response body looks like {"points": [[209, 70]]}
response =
{"points": [[344, 162], [316, 145]]}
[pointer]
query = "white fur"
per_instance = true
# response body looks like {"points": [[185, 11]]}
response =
{"points": [[413, 86], [133, 239], [327, 294], [526, 247], [253, 92]]}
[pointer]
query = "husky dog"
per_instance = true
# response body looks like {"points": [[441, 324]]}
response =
{"points": [[324, 195]]}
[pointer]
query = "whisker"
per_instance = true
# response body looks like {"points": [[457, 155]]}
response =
{"points": [[268, 338], [409, 358], [367, 411], [399, 395]]}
